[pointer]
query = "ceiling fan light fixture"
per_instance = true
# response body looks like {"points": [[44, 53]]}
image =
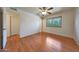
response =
{"points": [[44, 13]]}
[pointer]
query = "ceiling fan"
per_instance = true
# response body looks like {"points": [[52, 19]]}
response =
{"points": [[45, 10]]}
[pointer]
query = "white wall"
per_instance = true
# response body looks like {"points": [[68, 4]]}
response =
{"points": [[4, 26], [77, 25], [29, 23], [67, 28]]}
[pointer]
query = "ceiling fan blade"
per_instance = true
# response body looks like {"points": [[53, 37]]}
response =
{"points": [[44, 8], [40, 8], [50, 8], [49, 12]]}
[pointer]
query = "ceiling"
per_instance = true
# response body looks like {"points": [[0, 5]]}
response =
{"points": [[35, 10]]}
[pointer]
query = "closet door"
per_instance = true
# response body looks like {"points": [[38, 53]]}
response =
{"points": [[14, 24]]}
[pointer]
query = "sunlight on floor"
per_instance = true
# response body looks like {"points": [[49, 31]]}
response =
{"points": [[53, 43]]}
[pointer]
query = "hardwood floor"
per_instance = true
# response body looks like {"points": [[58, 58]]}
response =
{"points": [[41, 42]]}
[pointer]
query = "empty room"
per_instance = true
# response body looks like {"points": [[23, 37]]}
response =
{"points": [[40, 29]]}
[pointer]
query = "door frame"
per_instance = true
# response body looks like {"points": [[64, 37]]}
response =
{"points": [[1, 28]]}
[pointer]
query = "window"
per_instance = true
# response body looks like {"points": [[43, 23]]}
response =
{"points": [[54, 22]]}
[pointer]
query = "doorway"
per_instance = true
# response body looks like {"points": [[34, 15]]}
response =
{"points": [[12, 23]]}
